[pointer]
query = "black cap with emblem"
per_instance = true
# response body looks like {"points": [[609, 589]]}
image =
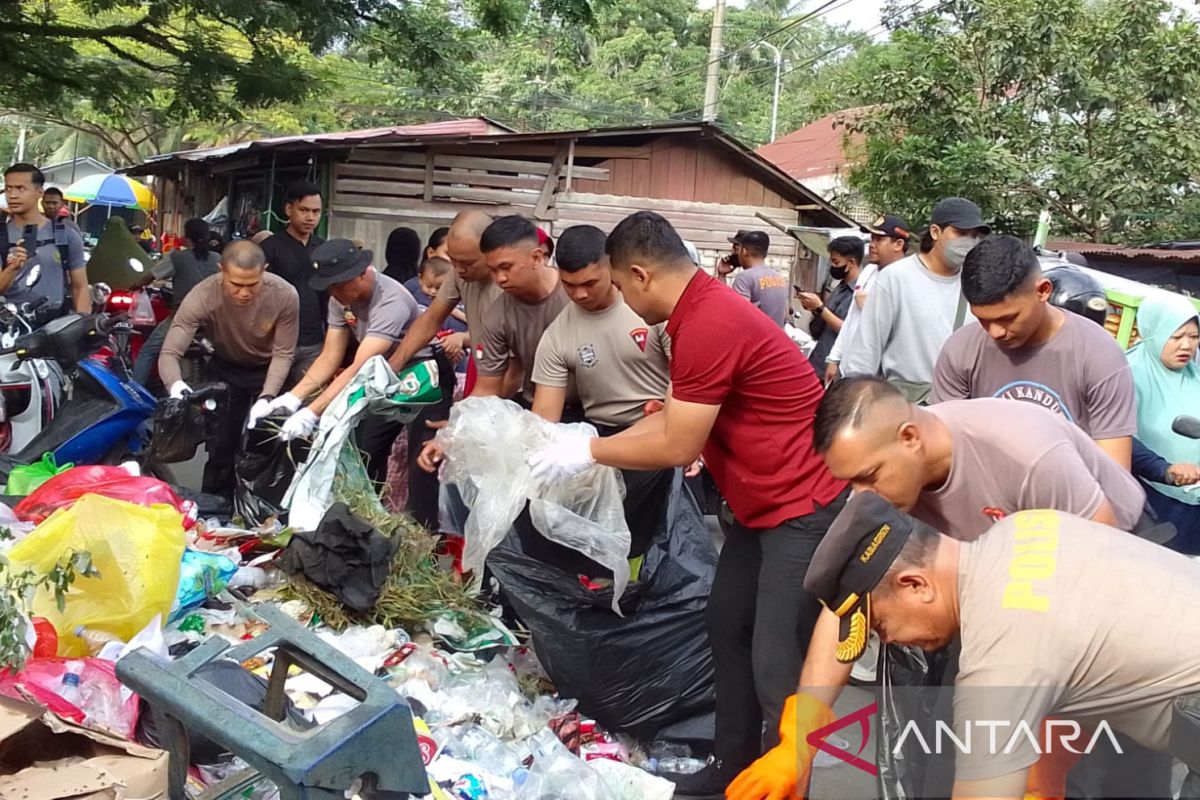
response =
{"points": [[861, 545], [888, 225], [338, 260]]}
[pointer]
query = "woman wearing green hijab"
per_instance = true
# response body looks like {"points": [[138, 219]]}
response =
{"points": [[1166, 379]]}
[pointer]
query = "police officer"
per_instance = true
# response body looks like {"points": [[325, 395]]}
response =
{"points": [[42, 258]]}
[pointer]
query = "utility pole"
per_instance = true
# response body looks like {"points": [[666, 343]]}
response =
{"points": [[21, 144], [775, 96], [714, 62]]}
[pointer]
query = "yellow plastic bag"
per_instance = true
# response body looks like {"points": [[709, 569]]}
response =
{"points": [[136, 551]]}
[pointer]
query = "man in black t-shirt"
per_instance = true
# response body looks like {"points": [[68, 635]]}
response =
{"points": [[289, 255]]}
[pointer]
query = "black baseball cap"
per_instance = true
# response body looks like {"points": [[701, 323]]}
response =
{"points": [[857, 551], [888, 225], [338, 260], [755, 239], [960, 213], [738, 237]]}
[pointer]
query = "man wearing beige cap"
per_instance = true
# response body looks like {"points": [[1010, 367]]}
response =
{"points": [[1058, 616]]}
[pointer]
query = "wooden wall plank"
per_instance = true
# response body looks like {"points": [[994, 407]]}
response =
{"points": [[442, 160], [689, 172], [474, 178], [660, 173]]}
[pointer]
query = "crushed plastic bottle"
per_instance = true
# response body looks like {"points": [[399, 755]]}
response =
{"points": [[680, 766]]}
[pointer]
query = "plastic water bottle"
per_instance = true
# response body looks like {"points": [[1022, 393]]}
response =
{"points": [[69, 688], [95, 640]]}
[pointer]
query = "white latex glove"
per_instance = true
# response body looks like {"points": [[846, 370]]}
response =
{"points": [[179, 389], [563, 459], [288, 402], [260, 409], [300, 425]]}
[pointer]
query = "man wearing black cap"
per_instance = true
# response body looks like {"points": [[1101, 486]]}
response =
{"points": [[375, 311], [1037, 638], [959, 466], [729, 263], [890, 238], [916, 304], [765, 288]]}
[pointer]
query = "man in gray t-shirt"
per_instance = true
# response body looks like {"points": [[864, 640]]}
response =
{"points": [[765, 288], [374, 311], [1027, 350], [55, 269]]}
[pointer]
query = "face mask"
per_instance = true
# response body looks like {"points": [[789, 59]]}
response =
{"points": [[955, 251], [837, 273]]}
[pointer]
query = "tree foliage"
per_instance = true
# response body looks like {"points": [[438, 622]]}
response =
{"points": [[334, 66], [1087, 108]]}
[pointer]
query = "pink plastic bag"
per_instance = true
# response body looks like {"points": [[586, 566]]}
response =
{"points": [[97, 700], [115, 482]]}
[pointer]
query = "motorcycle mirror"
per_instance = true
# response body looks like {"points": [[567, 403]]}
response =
{"points": [[136, 265], [101, 292], [35, 275]]}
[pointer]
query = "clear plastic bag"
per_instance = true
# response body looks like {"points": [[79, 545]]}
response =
{"points": [[487, 443], [93, 698], [556, 774]]}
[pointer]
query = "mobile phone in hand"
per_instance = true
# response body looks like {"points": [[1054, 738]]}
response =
{"points": [[29, 241]]}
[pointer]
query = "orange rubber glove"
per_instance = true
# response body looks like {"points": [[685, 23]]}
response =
{"points": [[1048, 776], [782, 773]]}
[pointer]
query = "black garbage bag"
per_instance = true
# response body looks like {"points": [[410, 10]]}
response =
{"points": [[231, 678], [914, 686], [263, 471], [641, 672], [345, 556], [180, 427]]}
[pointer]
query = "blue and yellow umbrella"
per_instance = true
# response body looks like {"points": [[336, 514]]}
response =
{"points": [[111, 190]]}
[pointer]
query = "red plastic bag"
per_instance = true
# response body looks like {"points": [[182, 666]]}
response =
{"points": [[65, 488], [96, 699]]}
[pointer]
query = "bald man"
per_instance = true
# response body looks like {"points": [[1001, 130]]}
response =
{"points": [[471, 284], [253, 319]]}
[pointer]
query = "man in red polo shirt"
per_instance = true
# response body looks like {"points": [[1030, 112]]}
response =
{"points": [[743, 395]]}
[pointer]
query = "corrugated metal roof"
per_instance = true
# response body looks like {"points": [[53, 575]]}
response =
{"points": [[470, 126], [1127, 253], [481, 130], [812, 151]]}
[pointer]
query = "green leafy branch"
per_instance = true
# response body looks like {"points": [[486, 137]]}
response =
{"points": [[18, 589]]}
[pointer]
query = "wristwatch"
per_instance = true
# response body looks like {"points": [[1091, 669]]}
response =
{"points": [[819, 311]]}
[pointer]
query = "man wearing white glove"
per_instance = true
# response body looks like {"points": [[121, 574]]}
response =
{"points": [[252, 318], [376, 311], [179, 390], [745, 396]]}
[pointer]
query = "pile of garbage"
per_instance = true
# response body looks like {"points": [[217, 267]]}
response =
{"points": [[97, 562]]}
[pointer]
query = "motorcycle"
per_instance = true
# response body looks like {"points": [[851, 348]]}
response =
{"points": [[145, 307], [31, 389], [106, 417]]}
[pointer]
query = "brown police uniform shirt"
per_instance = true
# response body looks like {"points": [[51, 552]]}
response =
{"points": [[261, 333], [1067, 618], [512, 330], [1011, 457], [617, 361], [477, 297]]}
